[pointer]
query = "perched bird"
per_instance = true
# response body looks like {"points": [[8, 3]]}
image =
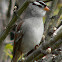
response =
{"points": [[29, 32]]}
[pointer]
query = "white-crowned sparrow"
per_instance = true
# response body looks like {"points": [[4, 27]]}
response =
{"points": [[30, 31]]}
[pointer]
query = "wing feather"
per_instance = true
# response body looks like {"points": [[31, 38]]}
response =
{"points": [[17, 39]]}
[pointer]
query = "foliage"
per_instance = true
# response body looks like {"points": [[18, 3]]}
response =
{"points": [[8, 50]]}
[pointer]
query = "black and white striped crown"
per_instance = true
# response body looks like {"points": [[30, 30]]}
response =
{"points": [[39, 4]]}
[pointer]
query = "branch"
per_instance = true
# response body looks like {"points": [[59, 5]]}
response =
{"points": [[54, 21], [45, 46], [9, 8], [57, 18], [54, 46], [37, 54], [14, 19], [54, 38], [52, 58], [49, 15]]}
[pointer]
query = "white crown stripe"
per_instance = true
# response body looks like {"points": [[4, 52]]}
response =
{"points": [[37, 3]]}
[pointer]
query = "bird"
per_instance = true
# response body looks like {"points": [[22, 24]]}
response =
{"points": [[29, 32]]}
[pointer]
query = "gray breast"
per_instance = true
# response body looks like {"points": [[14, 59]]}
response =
{"points": [[32, 35]]}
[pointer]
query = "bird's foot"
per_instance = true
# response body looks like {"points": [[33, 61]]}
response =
{"points": [[36, 46]]}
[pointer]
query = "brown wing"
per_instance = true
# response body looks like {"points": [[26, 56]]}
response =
{"points": [[17, 39]]}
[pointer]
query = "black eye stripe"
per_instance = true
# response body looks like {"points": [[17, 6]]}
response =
{"points": [[37, 5], [33, 3], [40, 2]]}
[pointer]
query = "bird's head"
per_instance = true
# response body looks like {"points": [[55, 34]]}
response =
{"points": [[39, 8]]}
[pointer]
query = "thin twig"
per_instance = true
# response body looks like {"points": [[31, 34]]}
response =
{"points": [[50, 58], [57, 18], [9, 9]]}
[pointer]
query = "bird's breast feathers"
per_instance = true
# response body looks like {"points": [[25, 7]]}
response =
{"points": [[32, 36]]}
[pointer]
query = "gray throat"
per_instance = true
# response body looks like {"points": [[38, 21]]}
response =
{"points": [[28, 13]]}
